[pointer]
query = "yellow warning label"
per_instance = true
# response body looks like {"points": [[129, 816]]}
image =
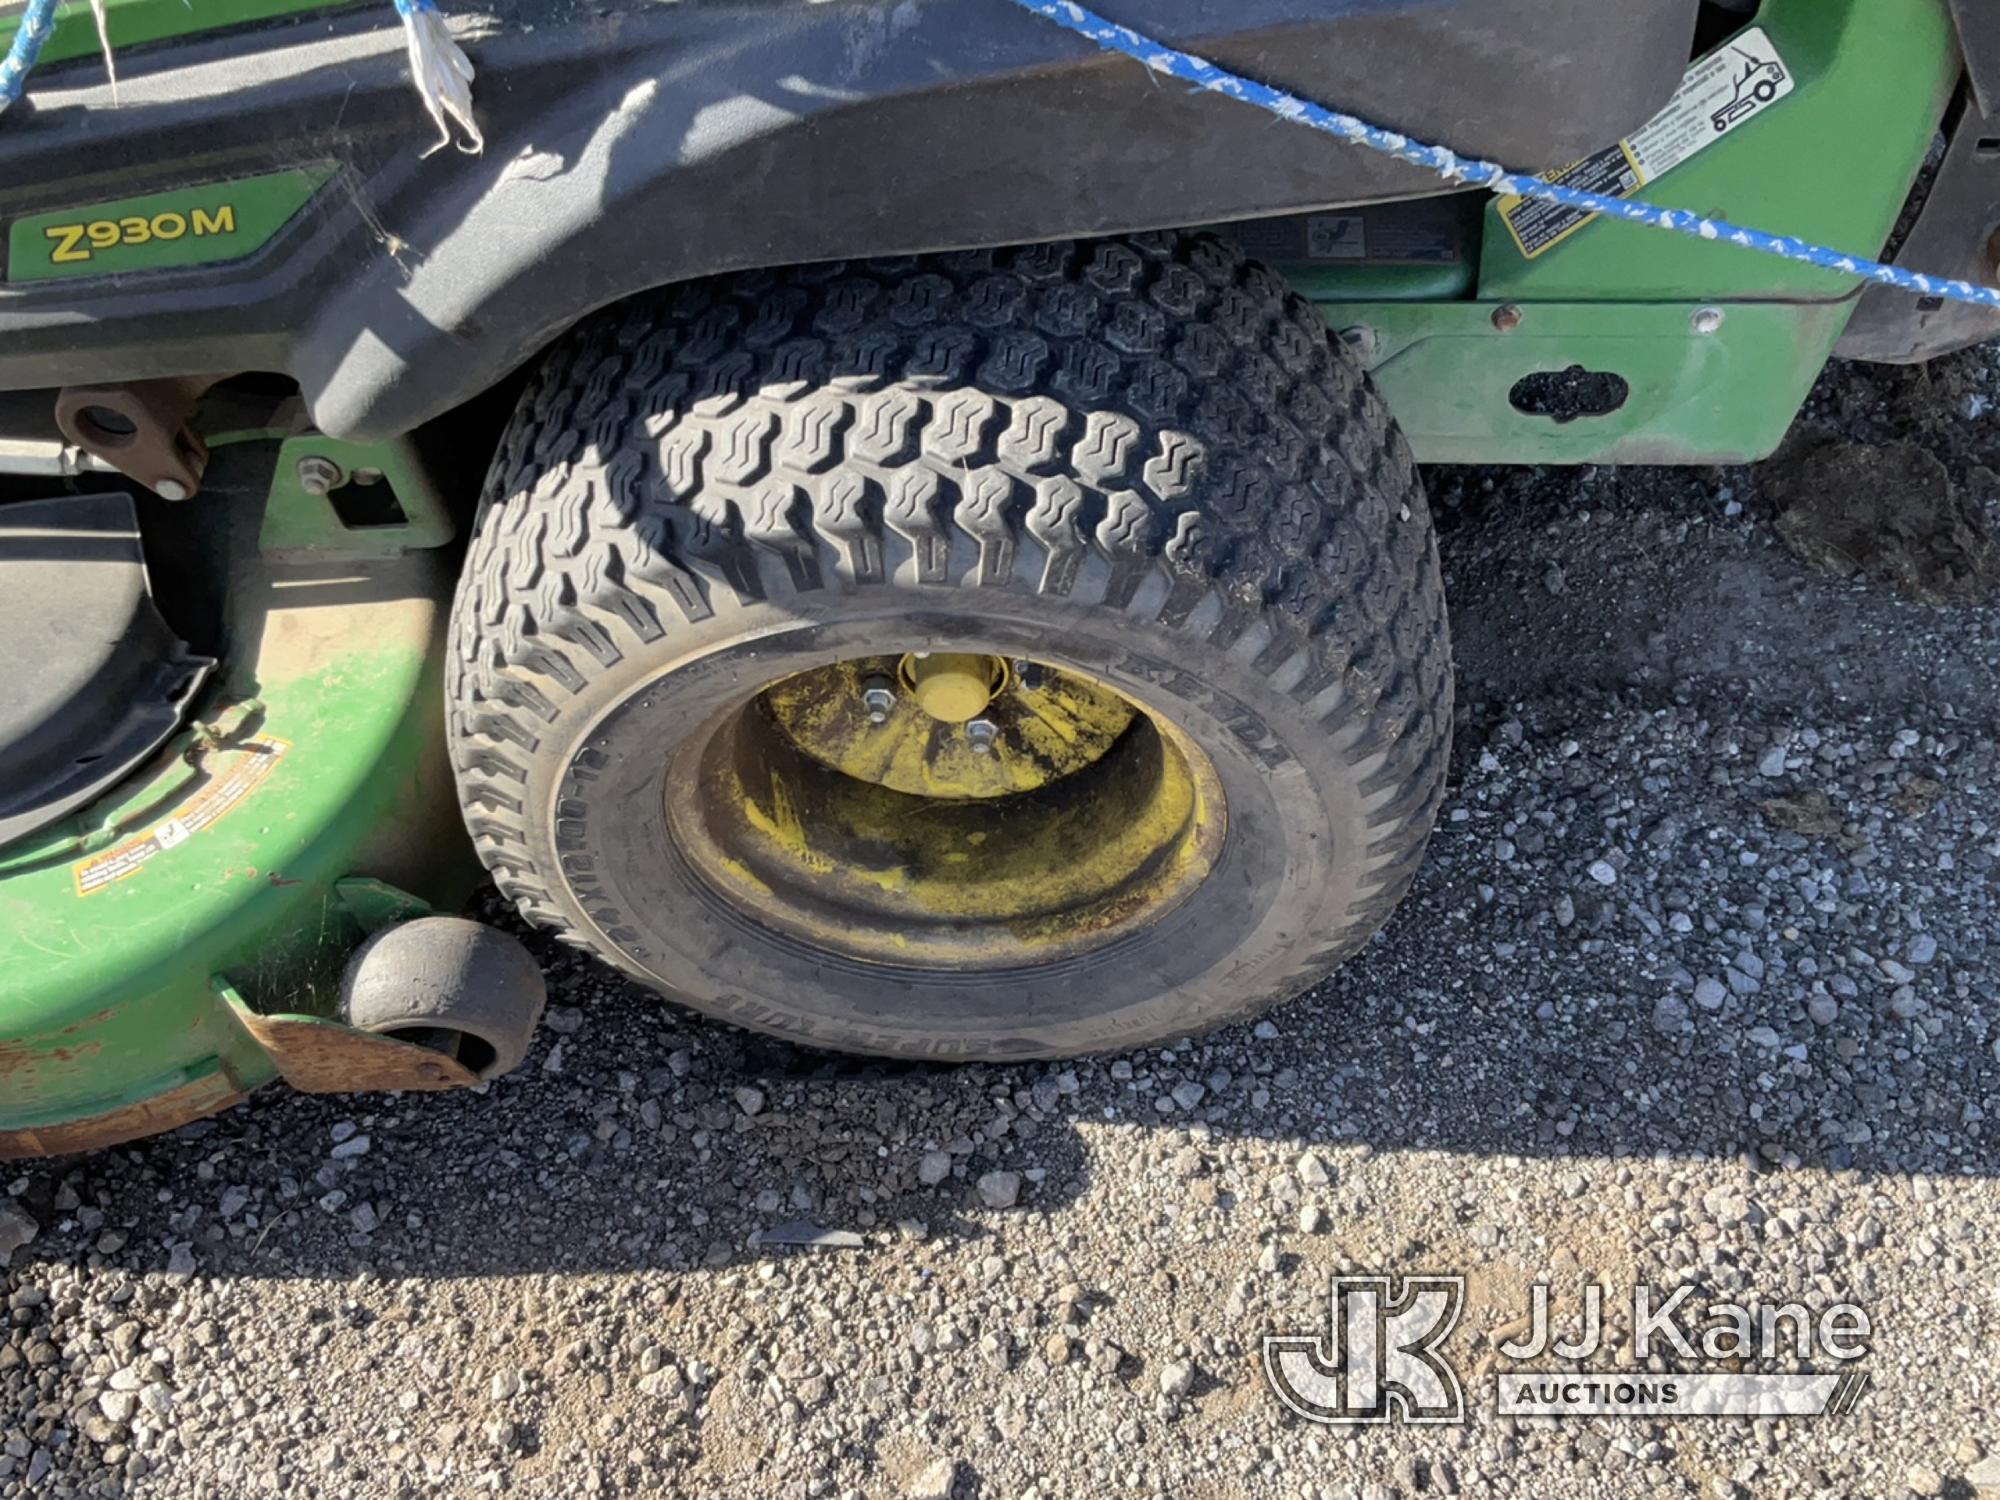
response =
{"points": [[1538, 226], [250, 763], [1724, 90]]}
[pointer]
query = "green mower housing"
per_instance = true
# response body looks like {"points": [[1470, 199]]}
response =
{"points": [[256, 352]]}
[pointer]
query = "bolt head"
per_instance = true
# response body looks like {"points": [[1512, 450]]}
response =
{"points": [[981, 732], [1362, 340], [879, 698], [1706, 320], [1507, 317], [319, 476]]}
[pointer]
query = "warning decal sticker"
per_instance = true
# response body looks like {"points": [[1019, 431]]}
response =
{"points": [[252, 761], [1722, 91], [1422, 231], [1336, 237]]}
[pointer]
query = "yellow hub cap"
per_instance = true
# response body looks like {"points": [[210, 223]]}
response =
{"points": [[953, 809], [952, 686]]}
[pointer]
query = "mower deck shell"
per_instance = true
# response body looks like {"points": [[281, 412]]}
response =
{"points": [[137, 935], [99, 680]]}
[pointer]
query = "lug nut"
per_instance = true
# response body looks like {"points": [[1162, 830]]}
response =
{"points": [[981, 732], [878, 696], [319, 476]]}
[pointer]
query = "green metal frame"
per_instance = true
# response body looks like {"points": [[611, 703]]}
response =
{"points": [[297, 521], [1833, 163], [1723, 397]]}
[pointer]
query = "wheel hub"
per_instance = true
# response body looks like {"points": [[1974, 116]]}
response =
{"points": [[949, 725], [951, 685]]}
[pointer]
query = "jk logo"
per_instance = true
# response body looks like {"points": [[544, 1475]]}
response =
{"points": [[1378, 1360]]}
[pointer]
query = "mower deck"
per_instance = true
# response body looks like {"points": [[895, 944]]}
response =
{"points": [[153, 945]]}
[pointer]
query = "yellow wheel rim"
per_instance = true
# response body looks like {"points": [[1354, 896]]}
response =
{"points": [[959, 811]]}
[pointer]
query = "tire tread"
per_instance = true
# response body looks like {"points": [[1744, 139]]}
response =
{"points": [[919, 422]]}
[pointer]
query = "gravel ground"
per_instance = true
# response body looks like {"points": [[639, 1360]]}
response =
{"points": [[1697, 986]]}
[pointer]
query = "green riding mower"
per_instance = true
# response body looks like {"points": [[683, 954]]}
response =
{"points": [[882, 521]]}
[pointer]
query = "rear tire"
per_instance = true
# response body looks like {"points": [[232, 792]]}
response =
{"points": [[1140, 459]]}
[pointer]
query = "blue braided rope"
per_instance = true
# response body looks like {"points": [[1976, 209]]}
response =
{"points": [[37, 21], [1206, 75]]}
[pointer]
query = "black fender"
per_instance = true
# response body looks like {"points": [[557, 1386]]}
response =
{"points": [[630, 148]]}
